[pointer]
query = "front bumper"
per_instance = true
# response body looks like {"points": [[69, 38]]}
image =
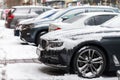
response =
{"points": [[25, 35], [54, 58]]}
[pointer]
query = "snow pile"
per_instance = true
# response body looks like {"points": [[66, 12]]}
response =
{"points": [[11, 47]]}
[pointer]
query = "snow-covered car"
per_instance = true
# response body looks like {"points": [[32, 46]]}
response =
{"points": [[44, 15], [88, 52], [82, 20], [26, 12], [31, 32]]}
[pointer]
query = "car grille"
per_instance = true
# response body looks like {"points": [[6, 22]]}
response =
{"points": [[43, 43]]}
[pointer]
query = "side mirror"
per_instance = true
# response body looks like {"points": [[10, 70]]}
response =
{"points": [[64, 18]]}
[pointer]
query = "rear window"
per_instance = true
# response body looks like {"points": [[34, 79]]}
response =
{"points": [[21, 10], [37, 10]]}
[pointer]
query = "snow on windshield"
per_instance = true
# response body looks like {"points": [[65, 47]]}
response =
{"points": [[45, 14], [57, 14]]}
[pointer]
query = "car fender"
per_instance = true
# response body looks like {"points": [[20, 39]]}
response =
{"points": [[93, 43], [37, 30]]}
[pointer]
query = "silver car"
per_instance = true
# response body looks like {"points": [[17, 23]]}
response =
{"points": [[25, 12]]}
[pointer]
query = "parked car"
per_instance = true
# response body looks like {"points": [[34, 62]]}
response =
{"points": [[25, 12], [31, 32], [44, 15], [88, 52], [1, 13], [82, 20]]}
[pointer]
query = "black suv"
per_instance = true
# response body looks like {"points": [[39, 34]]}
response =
{"points": [[25, 12]]}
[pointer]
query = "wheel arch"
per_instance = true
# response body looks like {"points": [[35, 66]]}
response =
{"points": [[39, 31], [92, 43]]}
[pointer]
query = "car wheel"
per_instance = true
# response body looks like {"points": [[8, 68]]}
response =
{"points": [[89, 62], [37, 42]]}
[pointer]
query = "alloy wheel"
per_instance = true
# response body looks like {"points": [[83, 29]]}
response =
{"points": [[90, 62]]}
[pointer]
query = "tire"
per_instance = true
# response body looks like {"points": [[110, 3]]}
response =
{"points": [[89, 62], [37, 41]]}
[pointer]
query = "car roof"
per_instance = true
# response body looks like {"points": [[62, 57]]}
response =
{"points": [[93, 6], [98, 13], [31, 6]]}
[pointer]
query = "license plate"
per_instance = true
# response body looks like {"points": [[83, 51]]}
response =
{"points": [[38, 51]]}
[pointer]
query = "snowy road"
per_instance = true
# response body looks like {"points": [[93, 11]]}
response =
{"points": [[11, 47]]}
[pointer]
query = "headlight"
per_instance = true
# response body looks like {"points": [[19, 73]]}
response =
{"points": [[53, 44], [27, 26]]}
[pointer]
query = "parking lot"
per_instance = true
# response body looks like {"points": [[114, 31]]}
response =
{"points": [[18, 61]]}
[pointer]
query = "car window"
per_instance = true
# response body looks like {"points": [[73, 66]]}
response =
{"points": [[37, 10], [97, 20], [47, 9], [114, 22], [90, 21], [21, 10], [108, 10], [102, 18], [73, 13]]}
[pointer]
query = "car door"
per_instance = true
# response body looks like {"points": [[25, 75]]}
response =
{"points": [[112, 46], [112, 42]]}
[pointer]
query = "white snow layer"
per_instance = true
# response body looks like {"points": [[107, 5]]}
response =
{"points": [[11, 48]]}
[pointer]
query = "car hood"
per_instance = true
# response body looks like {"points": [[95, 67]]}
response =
{"points": [[34, 21], [41, 21], [66, 26], [81, 33], [27, 21]]}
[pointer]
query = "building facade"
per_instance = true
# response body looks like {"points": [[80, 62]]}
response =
{"points": [[57, 3], [10, 3]]}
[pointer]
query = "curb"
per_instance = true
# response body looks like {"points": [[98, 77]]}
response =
{"points": [[12, 61]]}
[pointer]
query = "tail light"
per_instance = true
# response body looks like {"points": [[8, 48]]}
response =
{"points": [[57, 28], [53, 27], [10, 17]]}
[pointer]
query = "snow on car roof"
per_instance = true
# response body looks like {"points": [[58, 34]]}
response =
{"points": [[97, 13], [93, 6], [32, 6]]}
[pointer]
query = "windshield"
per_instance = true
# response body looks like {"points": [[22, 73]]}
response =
{"points": [[114, 22], [57, 14], [47, 14], [74, 19]]}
